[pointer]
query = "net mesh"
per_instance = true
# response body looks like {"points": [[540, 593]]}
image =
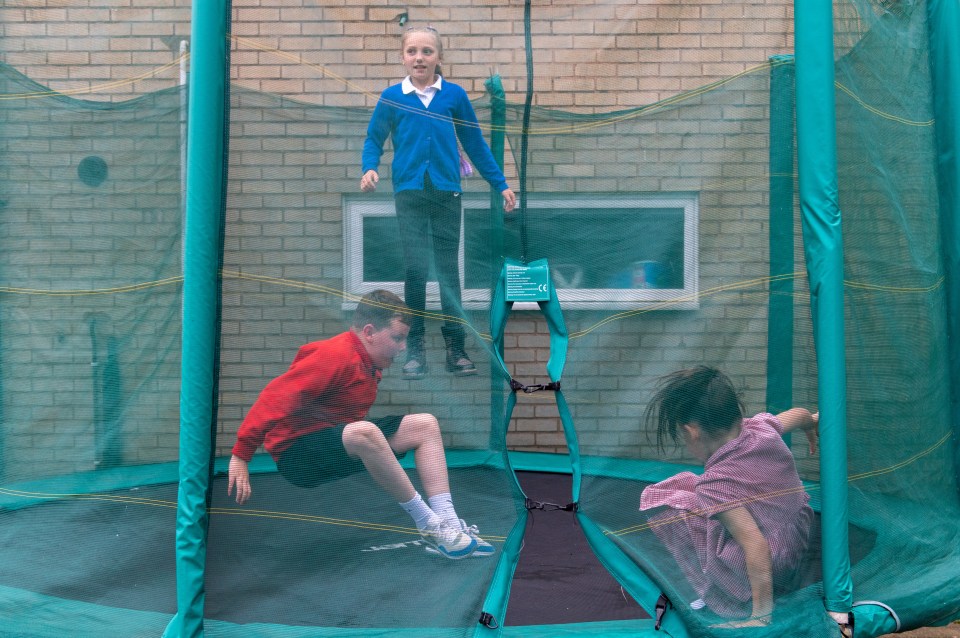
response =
{"points": [[656, 173]]}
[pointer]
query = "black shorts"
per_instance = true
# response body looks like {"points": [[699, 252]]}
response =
{"points": [[319, 457]]}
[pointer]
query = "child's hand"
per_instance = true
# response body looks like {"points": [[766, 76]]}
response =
{"points": [[802, 419], [368, 183], [239, 474], [509, 200], [813, 432]]}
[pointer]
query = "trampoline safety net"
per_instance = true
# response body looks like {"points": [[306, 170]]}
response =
{"points": [[660, 225]]}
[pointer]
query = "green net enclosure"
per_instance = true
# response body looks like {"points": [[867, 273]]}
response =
{"points": [[504, 318]]}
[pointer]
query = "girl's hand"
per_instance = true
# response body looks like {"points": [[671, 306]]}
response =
{"points": [[802, 419], [509, 200], [813, 432], [368, 183]]}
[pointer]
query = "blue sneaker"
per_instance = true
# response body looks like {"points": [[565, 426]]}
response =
{"points": [[482, 549], [447, 540]]}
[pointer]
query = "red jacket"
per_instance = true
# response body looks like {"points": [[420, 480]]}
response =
{"points": [[329, 382]]}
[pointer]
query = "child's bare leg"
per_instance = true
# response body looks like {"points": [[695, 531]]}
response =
{"points": [[421, 433], [365, 441]]}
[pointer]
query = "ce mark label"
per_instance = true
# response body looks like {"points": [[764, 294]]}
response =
{"points": [[528, 282]]}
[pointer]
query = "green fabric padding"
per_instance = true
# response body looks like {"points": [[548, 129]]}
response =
{"points": [[202, 245], [499, 312], [633, 629], [498, 594], [611, 629], [634, 580], [872, 620], [60, 617], [823, 247], [943, 21], [641, 587], [498, 123], [916, 594], [17, 495], [780, 315]]}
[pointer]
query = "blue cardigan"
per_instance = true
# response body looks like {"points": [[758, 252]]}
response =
{"points": [[425, 139]]}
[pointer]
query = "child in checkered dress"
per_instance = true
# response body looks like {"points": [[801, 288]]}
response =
{"points": [[740, 529]]}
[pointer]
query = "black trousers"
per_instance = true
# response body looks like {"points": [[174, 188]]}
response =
{"points": [[430, 218]]}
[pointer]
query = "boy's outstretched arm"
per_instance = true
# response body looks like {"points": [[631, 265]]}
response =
{"points": [[802, 419]]}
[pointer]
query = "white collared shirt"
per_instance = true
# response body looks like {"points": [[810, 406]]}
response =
{"points": [[426, 95]]}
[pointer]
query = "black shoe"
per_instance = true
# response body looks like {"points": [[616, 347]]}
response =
{"points": [[416, 366], [457, 360]]}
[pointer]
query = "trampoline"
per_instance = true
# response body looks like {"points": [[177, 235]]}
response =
{"points": [[770, 189], [262, 579], [259, 579]]}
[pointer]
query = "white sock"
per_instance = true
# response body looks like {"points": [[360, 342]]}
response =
{"points": [[442, 504], [419, 511]]}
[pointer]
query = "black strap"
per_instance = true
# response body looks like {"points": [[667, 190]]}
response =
{"points": [[662, 604], [528, 389], [541, 505], [487, 620]]}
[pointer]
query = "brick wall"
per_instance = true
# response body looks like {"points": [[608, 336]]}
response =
{"points": [[598, 56], [90, 265], [294, 155]]}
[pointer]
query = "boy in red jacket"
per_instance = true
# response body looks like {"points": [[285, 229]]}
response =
{"points": [[312, 421]]}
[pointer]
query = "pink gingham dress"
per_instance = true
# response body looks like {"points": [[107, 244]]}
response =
{"points": [[757, 471]]}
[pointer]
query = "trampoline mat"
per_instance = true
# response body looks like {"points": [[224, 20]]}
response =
{"points": [[345, 555], [613, 503], [558, 577], [342, 554]]}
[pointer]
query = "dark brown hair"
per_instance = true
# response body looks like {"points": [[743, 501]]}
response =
{"points": [[701, 395]]}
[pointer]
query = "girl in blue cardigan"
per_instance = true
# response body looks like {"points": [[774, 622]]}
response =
{"points": [[426, 116]]}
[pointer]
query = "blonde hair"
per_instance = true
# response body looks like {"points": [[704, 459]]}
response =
{"points": [[427, 29]]}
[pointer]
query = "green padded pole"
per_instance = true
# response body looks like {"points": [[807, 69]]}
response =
{"points": [[943, 22], [495, 603], [498, 592], [205, 172], [823, 248], [498, 127], [780, 313]]}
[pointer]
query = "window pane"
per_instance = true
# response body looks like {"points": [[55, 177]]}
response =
{"points": [[628, 247], [382, 257]]}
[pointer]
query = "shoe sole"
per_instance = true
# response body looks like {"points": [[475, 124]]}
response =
{"points": [[462, 373], [477, 553], [464, 553]]}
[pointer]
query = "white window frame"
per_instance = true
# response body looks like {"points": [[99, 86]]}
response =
{"points": [[358, 207]]}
